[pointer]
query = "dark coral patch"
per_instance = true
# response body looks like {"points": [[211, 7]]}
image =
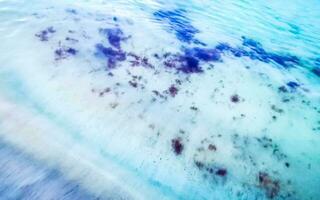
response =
{"points": [[177, 146], [113, 56], [179, 24]]}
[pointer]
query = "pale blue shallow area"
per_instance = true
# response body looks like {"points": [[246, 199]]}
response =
{"points": [[155, 99]]}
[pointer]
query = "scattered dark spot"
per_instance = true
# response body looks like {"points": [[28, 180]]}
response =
{"points": [[283, 89], [212, 147], [45, 34], [71, 51], [133, 84], [293, 85], [271, 187], [276, 109], [51, 29], [287, 164], [177, 146], [173, 90], [72, 40], [139, 61], [235, 98], [156, 56], [221, 172], [199, 164], [194, 108], [64, 52], [71, 11]]}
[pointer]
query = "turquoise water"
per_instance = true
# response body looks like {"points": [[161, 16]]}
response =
{"points": [[159, 99]]}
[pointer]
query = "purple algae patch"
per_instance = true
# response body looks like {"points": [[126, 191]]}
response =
{"points": [[112, 56], [114, 36]]}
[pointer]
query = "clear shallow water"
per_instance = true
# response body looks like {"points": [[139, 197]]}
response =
{"points": [[159, 100]]}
